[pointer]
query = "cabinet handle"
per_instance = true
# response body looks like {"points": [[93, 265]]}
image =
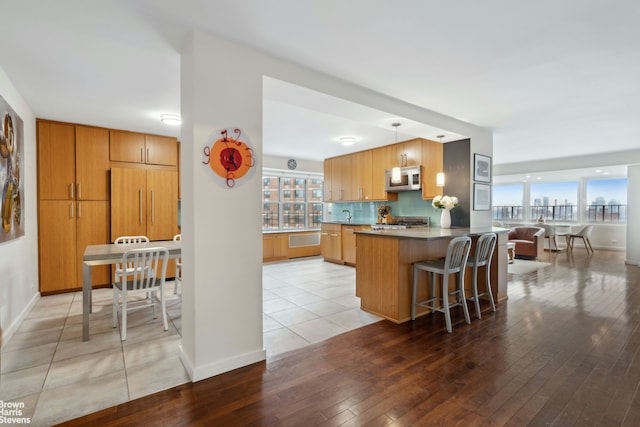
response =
{"points": [[79, 210], [141, 155], [324, 234], [71, 195], [153, 208], [79, 192], [140, 197], [71, 215], [147, 155]]}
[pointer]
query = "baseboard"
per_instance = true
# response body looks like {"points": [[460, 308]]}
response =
{"points": [[13, 327], [220, 366]]}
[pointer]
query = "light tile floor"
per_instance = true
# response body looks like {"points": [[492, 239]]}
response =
{"points": [[57, 377]]}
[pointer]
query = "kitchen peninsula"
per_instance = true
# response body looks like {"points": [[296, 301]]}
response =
{"points": [[384, 267]]}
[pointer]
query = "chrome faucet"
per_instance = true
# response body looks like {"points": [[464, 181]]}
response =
{"points": [[348, 215]]}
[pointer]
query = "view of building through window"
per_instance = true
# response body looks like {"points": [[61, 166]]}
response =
{"points": [[291, 202], [588, 200]]}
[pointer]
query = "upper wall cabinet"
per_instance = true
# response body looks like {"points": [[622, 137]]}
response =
{"points": [[73, 162], [432, 163], [134, 147]]}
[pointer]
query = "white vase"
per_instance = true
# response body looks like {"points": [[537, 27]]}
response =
{"points": [[445, 218]]}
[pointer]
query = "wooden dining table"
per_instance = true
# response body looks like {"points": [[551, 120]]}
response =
{"points": [[112, 254]]}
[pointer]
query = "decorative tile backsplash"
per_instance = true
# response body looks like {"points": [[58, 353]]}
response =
{"points": [[410, 203]]}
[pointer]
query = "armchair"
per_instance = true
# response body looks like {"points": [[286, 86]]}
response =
{"points": [[529, 241]]}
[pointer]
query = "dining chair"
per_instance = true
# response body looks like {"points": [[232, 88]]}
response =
{"points": [[126, 240], [583, 234], [482, 257], [550, 233], [178, 278], [144, 278], [454, 263]]}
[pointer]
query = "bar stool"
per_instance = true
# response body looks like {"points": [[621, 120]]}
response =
{"points": [[482, 257], [454, 263]]}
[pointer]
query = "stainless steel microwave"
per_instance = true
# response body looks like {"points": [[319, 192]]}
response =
{"points": [[409, 179]]}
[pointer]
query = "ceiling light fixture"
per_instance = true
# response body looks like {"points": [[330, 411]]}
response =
{"points": [[348, 140], [395, 172], [171, 119]]}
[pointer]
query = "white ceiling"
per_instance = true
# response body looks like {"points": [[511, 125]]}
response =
{"points": [[551, 78]]}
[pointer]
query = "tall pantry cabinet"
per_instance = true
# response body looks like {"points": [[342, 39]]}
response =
{"points": [[73, 202], [144, 202]]}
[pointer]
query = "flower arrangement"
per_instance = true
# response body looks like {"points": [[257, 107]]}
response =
{"points": [[445, 202]]}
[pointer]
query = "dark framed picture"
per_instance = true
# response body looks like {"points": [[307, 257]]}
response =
{"points": [[481, 168], [481, 197]]}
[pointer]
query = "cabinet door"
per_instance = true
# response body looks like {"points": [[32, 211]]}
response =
{"points": [[412, 151], [128, 202], [348, 245], [56, 161], [92, 163], [162, 204], [382, 159], [341, 179], [57, 243], [281, 246], [362, 166], [126, 147], [267, 246], [432, 163], [328, 180], [161, 150], [92, 228]]}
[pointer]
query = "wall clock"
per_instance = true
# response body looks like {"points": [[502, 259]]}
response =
{"points": [[229, 157], [292, 164]]}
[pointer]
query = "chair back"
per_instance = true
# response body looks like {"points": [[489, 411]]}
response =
{"points": [[457, 254], [484, 248], [145, 264], [126, 240], [586, 231]]}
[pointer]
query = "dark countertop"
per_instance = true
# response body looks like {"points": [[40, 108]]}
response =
{"points": [[346, 223], [293, 230], [433, 233]]}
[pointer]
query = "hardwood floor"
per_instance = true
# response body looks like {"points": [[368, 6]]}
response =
{"points": [[563, 350]]}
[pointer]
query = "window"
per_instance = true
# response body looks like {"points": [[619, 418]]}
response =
{"points": [[585, 200], [507, 202], [554, 201], [606, 200], [291, 202]]}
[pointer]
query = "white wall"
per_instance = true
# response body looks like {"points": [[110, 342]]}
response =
{"points": [[221, 87], [276, 162], [19, 257]]}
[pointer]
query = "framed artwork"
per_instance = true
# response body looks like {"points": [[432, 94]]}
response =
{"points": [[11, 164], [481, 197], [481, 168]]}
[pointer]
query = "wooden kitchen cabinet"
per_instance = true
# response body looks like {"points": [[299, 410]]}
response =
{"points": [[134, 147], [331, 242], [73, 162], [361, 188], [73, 206], [432, 163], [144, 202], [275, 246], [349, 242]]}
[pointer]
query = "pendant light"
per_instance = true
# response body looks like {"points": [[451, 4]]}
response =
{"points": [[440, 175], [395, 171]]}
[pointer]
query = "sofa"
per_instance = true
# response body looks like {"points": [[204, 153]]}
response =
{"points": [[529, 241]]}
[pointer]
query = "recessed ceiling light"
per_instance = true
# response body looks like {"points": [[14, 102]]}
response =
{"points": [[171, 119], [598, 170], [348, 140]]}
